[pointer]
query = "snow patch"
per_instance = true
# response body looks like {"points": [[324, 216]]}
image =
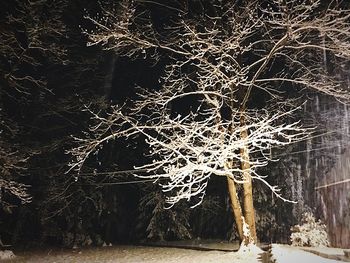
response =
{"points": [[6, 254], [288, 254], [248, 253], [311, 233]]}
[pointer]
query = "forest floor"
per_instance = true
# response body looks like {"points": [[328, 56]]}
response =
{"points": [[153, 254]]}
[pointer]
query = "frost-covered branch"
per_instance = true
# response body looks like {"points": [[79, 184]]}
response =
{"points": [[219, 61], [25, 52], [238, 48], [187, 150], [12, 165]]}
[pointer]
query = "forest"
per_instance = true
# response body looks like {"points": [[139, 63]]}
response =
{"points": [[124, 122]]}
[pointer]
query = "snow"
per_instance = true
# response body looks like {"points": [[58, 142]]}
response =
{"points": [[137, 254], [6, 254], [326, 250], [288, 254], [249, 253], [144, 254]]}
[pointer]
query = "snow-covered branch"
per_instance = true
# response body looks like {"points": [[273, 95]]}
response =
{"points": [[219, 61], [239, 52], [186, 150], [12, 165]]}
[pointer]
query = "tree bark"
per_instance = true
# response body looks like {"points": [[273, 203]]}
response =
{"points": [[236, 207], [248, 205]]}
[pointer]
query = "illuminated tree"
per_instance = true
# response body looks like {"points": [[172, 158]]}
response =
{"points": [[239, 63]]}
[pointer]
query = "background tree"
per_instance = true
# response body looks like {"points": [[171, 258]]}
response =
{"points": [[13, 164], [26, 52], [44, 76], [23, 47]]}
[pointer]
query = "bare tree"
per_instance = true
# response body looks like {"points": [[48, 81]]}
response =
{"points": [[30, 35], [10, 165], [13, 164], [223, 57]]}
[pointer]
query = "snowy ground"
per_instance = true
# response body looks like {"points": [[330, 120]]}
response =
{"points": [[140, 254], [131, 254], [288, 254]]}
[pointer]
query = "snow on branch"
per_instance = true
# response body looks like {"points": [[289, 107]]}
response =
{"points": [[12, 165], [219, 61], [186, 150], [240, 52]]}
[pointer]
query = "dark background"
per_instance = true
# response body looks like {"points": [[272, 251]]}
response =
{"points": [[47, 77]]}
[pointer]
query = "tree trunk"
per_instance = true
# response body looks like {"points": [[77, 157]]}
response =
{"points": [[236, 207], [248, 206], [249, 213]]}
